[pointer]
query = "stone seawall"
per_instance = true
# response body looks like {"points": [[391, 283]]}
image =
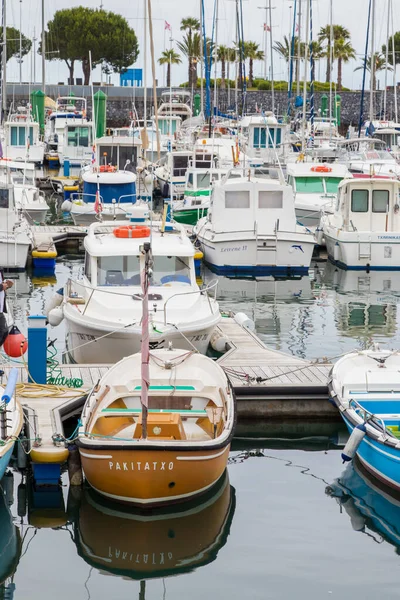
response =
{"points": [[120, 102]]}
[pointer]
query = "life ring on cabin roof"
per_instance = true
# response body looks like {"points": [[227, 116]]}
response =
{"points": [[107, 169], [321, 169], [130, 231]]}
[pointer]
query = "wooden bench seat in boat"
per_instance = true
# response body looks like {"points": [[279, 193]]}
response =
{"points": [[161, 425], [114, 412]]}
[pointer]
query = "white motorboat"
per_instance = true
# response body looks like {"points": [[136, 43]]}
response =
{"points": [[251, 228], [196, 200], [171, 172], [103, 308], [15, 235], [315, 188], [28, 199], [265, 138], [22, 137], [364, 230], [68, 132], [369, 156]]}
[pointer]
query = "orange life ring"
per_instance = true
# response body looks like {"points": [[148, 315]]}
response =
{"points": [[132, 231], [321, 169], [107, 169]]}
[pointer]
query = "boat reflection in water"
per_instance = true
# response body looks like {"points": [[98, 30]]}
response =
{"points": [[10, 549], [144, 545], [365, 303], [372, 507]]}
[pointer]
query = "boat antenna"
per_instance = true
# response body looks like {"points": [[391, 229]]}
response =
{"points": [[145, 350]]}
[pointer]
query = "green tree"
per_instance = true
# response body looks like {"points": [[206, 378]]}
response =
{"points": [[379, 65], [169, 57], [343, 52], [13, 43], [73, 32], [222, 57], [191, 46], [340, 34], [252, 52], [285, 49]]}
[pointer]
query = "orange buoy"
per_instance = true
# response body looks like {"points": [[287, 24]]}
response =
{"points": [[16, 343], [321, 169], [130, 231]]}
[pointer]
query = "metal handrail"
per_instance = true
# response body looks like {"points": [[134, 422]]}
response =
{"points": [[371, 417], [79, 196], [212, 285]]}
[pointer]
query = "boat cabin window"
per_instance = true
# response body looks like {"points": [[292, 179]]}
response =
{"points": [[359, 201], [118, 270], [4, 197], [87, 270], [190, 181], [310, 185], [117, 155], [237, 199], [78, 136], [262, 135], [19, 135], [270, 199], [380, 201], [167, 269], [203, 181], [331, 184], [181, 164]]}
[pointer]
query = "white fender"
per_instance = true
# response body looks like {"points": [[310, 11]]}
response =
{"points": [[354, 442], [55, 316], [219, 342], [66, 206], [244, 321], [54, 301]]}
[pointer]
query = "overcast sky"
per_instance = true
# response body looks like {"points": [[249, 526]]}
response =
{"points": [[350, 13]]}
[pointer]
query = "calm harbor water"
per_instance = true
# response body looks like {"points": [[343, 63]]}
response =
{"points": [[291, 521]]}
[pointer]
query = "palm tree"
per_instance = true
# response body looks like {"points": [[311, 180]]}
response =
{"points": [[343, 52], [222, 57], [380, 65], [169, 57], [191, 46], [340, 34], [252, 52], [318, 52], [285, 51]]}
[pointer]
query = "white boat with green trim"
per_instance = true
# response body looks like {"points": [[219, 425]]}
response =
{"points": [[196, 201]]}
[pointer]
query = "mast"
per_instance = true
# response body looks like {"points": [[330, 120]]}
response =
{"points": [[215, 56], [312, 75], [145, 350], [43, 53], [372, 66], [331, 41], [387, 62], [145, 71], [394, 68], [272, 57], [298, 52], [153, 71], [4, 60], [201, 65], [20, 41], [305, 76]]}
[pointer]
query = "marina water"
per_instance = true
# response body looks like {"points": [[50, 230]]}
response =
{"points": [[290, 522]]}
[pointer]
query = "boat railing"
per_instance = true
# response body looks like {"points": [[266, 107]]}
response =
{"points": [[205, 291], [77, 196], [367, 416]]}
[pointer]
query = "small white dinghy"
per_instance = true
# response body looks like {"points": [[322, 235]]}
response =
{"points": [[365, 386]]}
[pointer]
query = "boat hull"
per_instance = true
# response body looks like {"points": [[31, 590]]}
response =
{"points": [[152, 476], [117, 345], [372, 251], [382, 461], [285, 256], [13, 254], [5, 456], [190, 216]]}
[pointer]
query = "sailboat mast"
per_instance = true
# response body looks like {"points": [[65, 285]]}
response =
{"points": [[386, 61], [305, 76], [272, 57], [4, 60], [145, 351], [43, 53], [298, 76], [372, 67], [394, 67]]}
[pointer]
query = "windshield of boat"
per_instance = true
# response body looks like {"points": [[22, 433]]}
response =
{"points": [[317, 185], [125, 270], [203, 181], [378, 155], [118, 270], [19, 178], [167, 269]]}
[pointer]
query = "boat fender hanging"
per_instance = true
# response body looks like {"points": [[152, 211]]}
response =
{"points": [[54, 301], [354, 442], [66, 206], [55, 316], [244, 321], [16, 343]]}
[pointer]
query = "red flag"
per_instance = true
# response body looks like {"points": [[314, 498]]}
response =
{"points": [[167, 26], [267, 27], [98, 207]]}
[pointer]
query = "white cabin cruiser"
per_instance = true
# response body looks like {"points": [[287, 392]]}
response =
{"points": [[103, 309], [251, 228], [196, 201], [68, 132], [27, 197], [175, 103], [315, 188], [369, 156], [364, 230], [15, 238], [22, 137], [171, 172], [264, 138]]}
